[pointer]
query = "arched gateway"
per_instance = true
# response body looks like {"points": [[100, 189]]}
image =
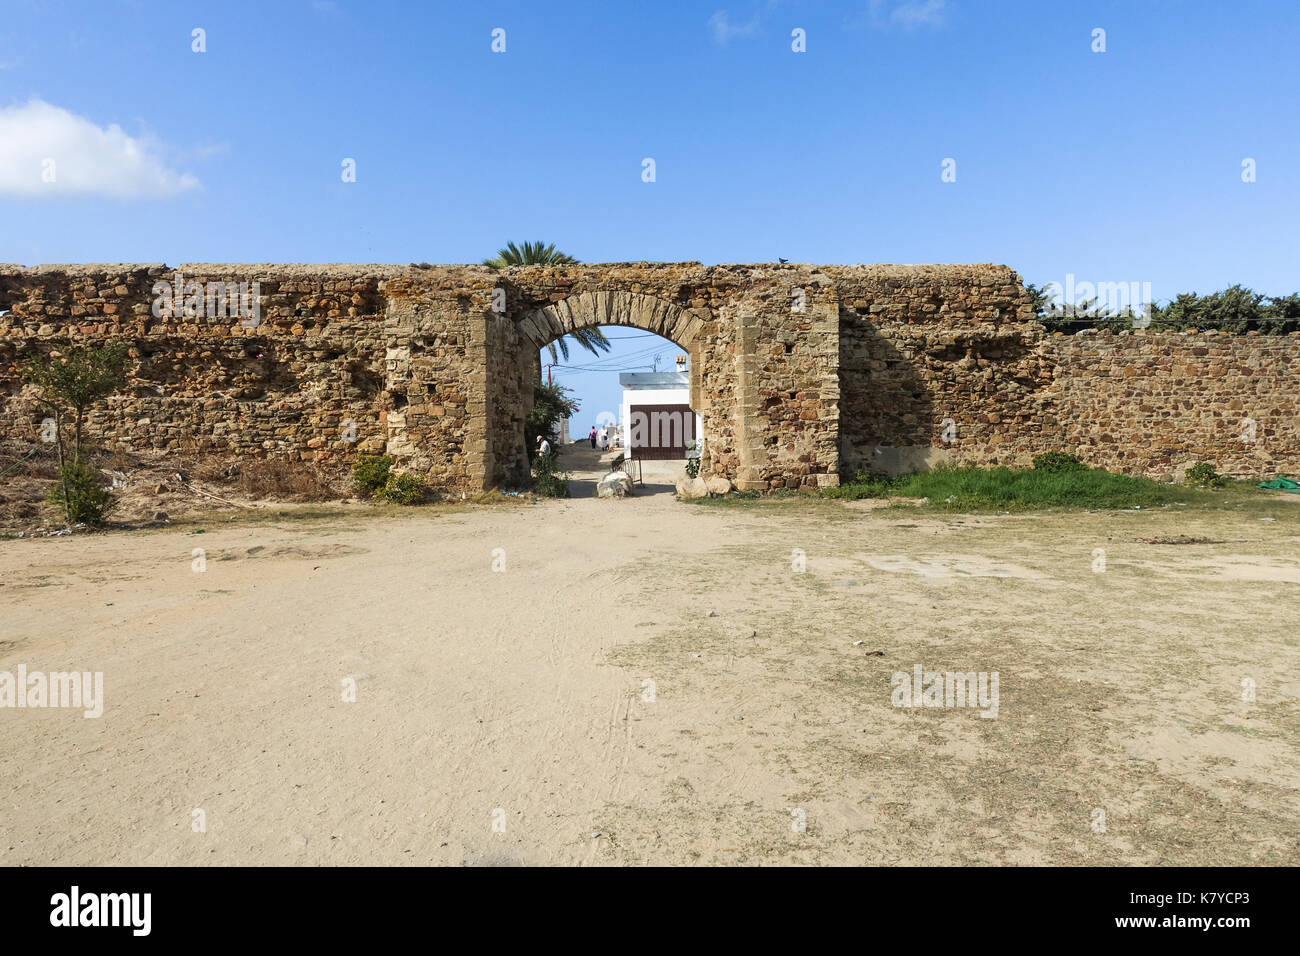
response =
{"points": [[767, 414], [586, 310]]}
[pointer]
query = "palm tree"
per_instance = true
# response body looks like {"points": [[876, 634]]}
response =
{"points": [[544, 254], [530, 254]]}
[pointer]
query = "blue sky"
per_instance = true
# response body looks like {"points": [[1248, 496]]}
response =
{"points": [[1118, 166]]}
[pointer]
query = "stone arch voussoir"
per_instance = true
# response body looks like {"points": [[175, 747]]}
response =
{"points": [[589, 309]]}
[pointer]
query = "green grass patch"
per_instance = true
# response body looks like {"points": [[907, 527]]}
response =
{"points": [[1011, 489]]}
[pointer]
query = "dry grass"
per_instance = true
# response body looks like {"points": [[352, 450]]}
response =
{"points": [[294, 480], [146, 483]]}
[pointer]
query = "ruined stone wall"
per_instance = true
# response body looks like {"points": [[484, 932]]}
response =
{"points": [[800, 373], [210, 384], [944, 364], [1154, 403], [937, 363], [435, 394]]}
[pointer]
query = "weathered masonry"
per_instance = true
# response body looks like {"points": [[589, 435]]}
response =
{"points": [[801, 374]]}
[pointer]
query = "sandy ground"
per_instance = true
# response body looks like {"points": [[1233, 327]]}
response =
{"points": [[651, 681]]}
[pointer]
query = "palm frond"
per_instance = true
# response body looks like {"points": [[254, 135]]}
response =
{"points": [[529, 254], [593, 340]]}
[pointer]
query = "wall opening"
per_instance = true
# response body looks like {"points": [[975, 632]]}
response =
{"points": [[633, 392]]}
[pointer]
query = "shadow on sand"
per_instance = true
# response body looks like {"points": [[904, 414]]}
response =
{"points": [[588, 465]]}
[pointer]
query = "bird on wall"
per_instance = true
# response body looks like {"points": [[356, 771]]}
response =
{"points": [[782, 261]]}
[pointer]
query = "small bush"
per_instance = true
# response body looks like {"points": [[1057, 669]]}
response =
{"points": [[547, 482], [403, 489], [1203, 475], [87, 501], [370, 472], [692, 460], [1057, 461]]}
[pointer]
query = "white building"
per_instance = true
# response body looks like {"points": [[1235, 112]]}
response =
{"points": [[657, 419]]}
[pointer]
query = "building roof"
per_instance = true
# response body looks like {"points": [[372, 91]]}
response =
{"points": [[654, 379]]}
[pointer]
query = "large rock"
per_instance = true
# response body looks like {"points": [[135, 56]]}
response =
{"points": [[617, 484], [718, 485], [692, 488]]}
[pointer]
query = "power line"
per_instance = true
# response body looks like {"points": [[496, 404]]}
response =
{"points": [[579, 370], [599, 362]]}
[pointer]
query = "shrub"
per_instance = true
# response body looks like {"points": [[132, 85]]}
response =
{"points": [[1203, 475], [403, 489], [1057, 461], [547, 482], [551, 405], [82, 497], [692, 460], [371, 472]]}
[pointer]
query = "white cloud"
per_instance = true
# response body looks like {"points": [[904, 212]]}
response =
{"points": [[917, 13], [85, 159], [724, 29], [908, 14]]}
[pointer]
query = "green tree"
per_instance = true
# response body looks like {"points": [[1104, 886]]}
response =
{"points": [[545, 254], [1062, 317], [1039, 298], [76, 379], [1234, 309], [530, 254], [551, 405]]}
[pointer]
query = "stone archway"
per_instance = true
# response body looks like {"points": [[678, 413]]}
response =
{"points": [[589, 309], [542, 325]]}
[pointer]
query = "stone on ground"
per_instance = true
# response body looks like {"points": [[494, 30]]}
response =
{"points": [[718, 485], [692, 488], [617, 484]]}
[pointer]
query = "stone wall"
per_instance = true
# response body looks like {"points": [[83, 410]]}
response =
{"points": [[211, 384], [800, 373], [936, 363], [1154, 403]]}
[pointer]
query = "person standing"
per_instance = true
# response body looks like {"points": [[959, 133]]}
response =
{"points": [[604, 439], [593, 436], [543, 446]]}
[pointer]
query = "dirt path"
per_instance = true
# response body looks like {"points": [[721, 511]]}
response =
{"points": [[652, 681], [588, 465]]}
